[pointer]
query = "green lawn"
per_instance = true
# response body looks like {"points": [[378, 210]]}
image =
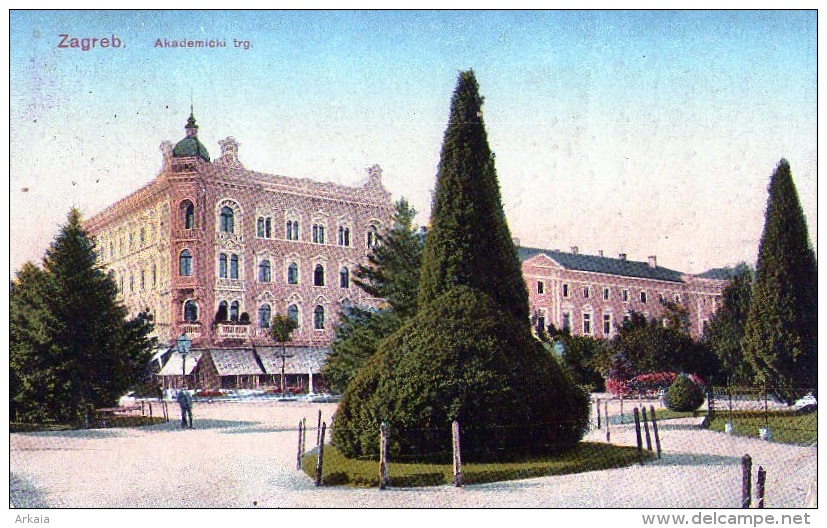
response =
{"points": [[587, 456], [787, 427]]}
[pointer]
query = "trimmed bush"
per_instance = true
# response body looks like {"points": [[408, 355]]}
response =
{"points": [[461, 358], [684, 395]]}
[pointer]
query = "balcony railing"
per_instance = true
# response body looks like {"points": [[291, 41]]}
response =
{"points": [[192, 330], [232, 331]]}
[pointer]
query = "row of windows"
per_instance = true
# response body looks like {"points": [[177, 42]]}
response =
{"points": [[230, 312], [228, 269], [128, 243], [606, 293], [143, 281], [264, 227]]}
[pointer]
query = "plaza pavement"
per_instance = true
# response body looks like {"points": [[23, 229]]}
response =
{"points": [[243, 455]]}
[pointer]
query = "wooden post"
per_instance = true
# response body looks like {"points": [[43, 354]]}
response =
{"points": [[655, 429], [597, 406], [646, 429], [637, 435], [150, 411], [759, 486], [746, 481], [319, 427], [321, 457], [383, 455], [299, 449], [457, 460], [621, 409], [606, 413], [304, 435]]}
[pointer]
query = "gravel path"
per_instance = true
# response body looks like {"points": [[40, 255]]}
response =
{"points": [[242, 455]]}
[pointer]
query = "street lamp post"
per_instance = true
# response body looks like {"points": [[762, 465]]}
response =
{"points": [[183, 344], [283, 357]]}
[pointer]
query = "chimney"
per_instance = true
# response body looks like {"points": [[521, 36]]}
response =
{"points": [[516, 241], [599, 252], [653, 261], [622, 256], [575, 250]]}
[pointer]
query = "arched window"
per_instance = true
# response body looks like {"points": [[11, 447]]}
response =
{"points": [[344, 278], [293, 313], [260, 227], [267, 228], [222, 266], [264, 316], [292, 230], [154, 275], [293, 273], [142, 279], [233, 266], [318, 234], [234, 311], [344, 236], [188, 211], [373, 236], [318, 317], [318, 275], [185, 263], [221, 316], [264, 271], [226, 220], [190, 311]]}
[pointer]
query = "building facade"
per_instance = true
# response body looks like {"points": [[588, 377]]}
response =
{"points": [[215, 250], [592, 294]]}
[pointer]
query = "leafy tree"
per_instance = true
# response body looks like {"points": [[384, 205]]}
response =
{"points": [[468, 354], [392, 274], [280, 329], [684, 395], [84, 350], [782, 329], [392, 271], [725, 332], [469, 241], [581, 355]]}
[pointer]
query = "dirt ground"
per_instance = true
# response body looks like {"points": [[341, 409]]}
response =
{"points": [[243, 455]]}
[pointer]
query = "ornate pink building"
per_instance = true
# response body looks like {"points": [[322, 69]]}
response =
{"points": [[209, 245]]}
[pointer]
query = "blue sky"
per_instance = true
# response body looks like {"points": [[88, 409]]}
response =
{"points": [[638, 132]]}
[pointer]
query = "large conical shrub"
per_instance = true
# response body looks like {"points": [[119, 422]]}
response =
{"points": [[782, 328], [469, 241], [468, 353]]}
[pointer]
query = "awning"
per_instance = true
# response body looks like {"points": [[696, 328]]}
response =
{"points": [[235, 362], [175, 363], [303, 360]]}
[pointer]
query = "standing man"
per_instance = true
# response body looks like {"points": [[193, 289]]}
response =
{"points": [[185, 401]]}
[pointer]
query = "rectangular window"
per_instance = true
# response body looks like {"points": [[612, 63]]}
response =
{"points": [[540, 287], [607, 324], [643, 297], [565, 290], [605, 294], [566, 321], [625, 295], [587, 292], [587, 324]]}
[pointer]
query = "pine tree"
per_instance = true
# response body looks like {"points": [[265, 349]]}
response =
{"points": [[781, 333], [392, 274], [469, 242], [725, 331], [87, 352], [392, 271]]}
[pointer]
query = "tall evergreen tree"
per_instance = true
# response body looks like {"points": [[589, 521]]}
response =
{"points": [[469, 242], [87, 352], [393, 268], [391, 274], [781, 332], [725, 331]]}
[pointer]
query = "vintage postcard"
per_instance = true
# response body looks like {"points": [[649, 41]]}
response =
{"points": [[449, 259]]}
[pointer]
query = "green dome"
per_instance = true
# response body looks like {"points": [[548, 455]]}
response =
{"points": [[190, 146]]}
